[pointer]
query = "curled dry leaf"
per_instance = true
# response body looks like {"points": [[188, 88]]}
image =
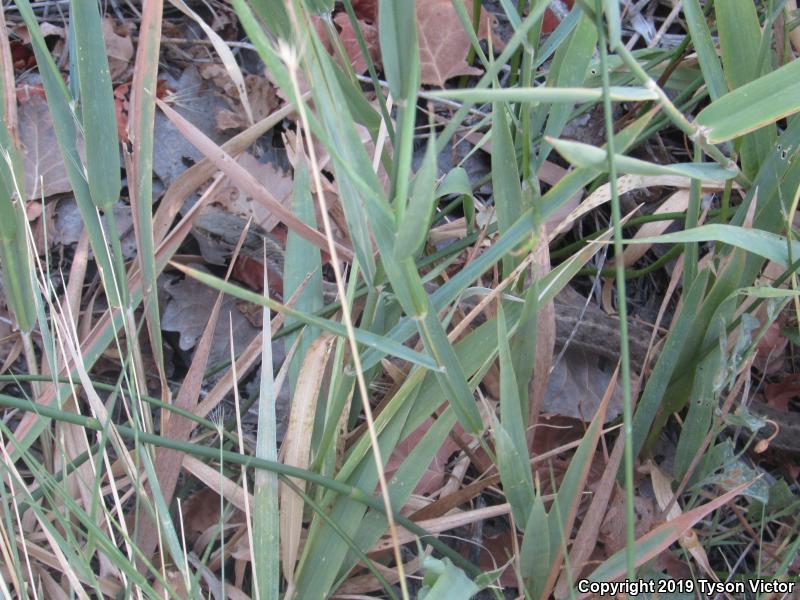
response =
{"points": [[443, 42]]}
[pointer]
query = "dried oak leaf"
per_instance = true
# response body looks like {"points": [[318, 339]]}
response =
{"points": [[443, 43]]}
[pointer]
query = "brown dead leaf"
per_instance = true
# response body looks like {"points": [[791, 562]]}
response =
{"points": [[350, 41], [443, 43], [45, 174], [576, 386], [119, 47], [770, 350], [778, 395], [47, 29], [200, 510]]}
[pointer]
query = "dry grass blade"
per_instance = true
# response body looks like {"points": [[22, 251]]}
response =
{"points": [[225, 487], [662, 537], [678, 202], [297, 446], [586, 539], [140, 179], [662, 488], [545, 335], [225, 54], [448, 522], [177, 427]]}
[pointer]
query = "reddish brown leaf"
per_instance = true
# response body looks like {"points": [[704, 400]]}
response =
{"points": [[779, 394], [443, 43], [350, 41], [366, 10]]}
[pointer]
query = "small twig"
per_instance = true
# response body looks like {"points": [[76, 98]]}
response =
{"points": [[676, 10], [427, 96]]}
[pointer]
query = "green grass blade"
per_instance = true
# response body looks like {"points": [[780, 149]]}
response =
{"points": [[587, 156], [762, 243], [16, 267], [413, 228], [704, 46], [406, 478], [400, 51], [444, 581], [98, 116], [611, 10], [568, 68], [505, 178], [64, 120], [662, 373], [302, 259], [739, 41], [266, 525], [535, 554], [536, 95], [397, 28], [509, 433]]}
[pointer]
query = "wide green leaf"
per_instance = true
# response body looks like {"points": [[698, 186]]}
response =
{"points": [[763, 243], [753, 105]]}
